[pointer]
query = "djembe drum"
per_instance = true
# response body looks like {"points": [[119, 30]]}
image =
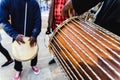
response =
{"points": [[24, 52], [86, 51]]}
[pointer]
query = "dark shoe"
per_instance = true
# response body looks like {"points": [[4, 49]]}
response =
{"points": [[48, 32], [52, 61], [7, 63]]}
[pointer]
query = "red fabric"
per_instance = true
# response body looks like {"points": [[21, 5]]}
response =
{"points": [[58, 18]]}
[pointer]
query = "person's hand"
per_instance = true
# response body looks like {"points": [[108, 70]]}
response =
{"points": [[71, 12], [68, 10], [33, 41], [19, 38]]}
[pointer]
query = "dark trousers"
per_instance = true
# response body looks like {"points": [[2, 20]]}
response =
{"points": [[5, 52], [18, 65]]}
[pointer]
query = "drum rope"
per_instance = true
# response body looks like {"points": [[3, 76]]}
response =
{"points": [[76, 61], [64, 62], [91, 49], [101, 42], [89, 57], [102, 45]]}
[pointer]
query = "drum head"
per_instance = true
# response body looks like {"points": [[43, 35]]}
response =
{"points": [[24, 52]]}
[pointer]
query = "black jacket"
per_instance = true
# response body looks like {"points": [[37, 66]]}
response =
{"points": [[109, 15]]}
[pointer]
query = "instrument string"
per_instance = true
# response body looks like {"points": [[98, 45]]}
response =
{"points": [[70, 61], [103, 51], [90, 48], [73, 58], [81, 42], [101, 44], [115, 41], [82, 59], [64, 71], [65, 63], [89, 57], [54, 50]]}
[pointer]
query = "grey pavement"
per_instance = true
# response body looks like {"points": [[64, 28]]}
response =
{"points": [[47, 72]]}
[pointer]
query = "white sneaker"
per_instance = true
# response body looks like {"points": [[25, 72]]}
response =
{"points": [[35, 70], [17, 76]]}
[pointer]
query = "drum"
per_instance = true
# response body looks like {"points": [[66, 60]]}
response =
{"points": [[24, 52], [86, 51]]}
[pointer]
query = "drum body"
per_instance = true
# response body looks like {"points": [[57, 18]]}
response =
{"points": [[24, 52], [86, 52]]}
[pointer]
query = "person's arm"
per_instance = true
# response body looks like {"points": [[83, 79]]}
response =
{"points": [[67, 8], [51, 12], [37, 25], [82, 6], [4, 17], [37, 21]]}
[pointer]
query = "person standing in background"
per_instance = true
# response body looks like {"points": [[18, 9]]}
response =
{"points": [[25, 21], [6, 54], [50, 18], [55, 17]]}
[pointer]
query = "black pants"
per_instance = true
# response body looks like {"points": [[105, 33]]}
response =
{"points": [[18, 65], [5, 52]]}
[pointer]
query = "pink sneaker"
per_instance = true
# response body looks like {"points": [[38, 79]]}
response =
{"points": [[35, 70], [17, 76]]}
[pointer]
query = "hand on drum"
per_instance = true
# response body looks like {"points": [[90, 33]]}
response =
{"points": [[19, 38], [33, 41]]}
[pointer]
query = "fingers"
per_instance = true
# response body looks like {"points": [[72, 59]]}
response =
{"points": [[19, 39], [70, 13], [65, 11], [33, 41]]}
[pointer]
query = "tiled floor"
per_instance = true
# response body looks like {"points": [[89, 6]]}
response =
{"points": [[47, 72]]}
